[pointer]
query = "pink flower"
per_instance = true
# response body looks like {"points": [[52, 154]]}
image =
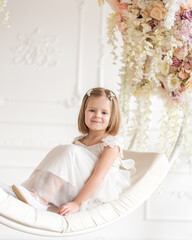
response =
{"points": [[120, 26], [187, 15], [173, 69], [177, 17], [181, 52], [122, 6], [187, 65], [183, 75], [185, 32], [176, 62]]}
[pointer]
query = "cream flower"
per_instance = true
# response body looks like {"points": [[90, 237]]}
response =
{"points": [[156, 13], [156, 10], [173, 82]]}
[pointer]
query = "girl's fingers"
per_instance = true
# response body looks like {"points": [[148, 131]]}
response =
{"points": [[67, 208], [64, 210]]}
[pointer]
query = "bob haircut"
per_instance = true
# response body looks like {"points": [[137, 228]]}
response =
{"points": [[115, 119]]}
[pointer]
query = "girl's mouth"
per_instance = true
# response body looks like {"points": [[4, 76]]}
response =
{"points": [[95, 121]]}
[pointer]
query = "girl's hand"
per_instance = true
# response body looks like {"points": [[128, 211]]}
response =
{"points": [[67, 208]]}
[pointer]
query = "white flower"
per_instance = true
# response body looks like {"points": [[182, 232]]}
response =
{"points": [[5, 14], [146, 28], [172, 82], [172, 6]]}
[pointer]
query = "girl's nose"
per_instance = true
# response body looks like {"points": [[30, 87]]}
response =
{"points": [[98, 115]]}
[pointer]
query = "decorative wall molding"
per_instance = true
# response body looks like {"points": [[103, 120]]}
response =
{"points": [[169, 205], [182, 195], [170, 218], [78, 84], [42, 123], [37, 49], [67, 103], [31, 144], [101, 41], [182, 165]]}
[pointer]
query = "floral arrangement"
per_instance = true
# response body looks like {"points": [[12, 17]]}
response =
{"points": [[156, 56], [3, 13], [157, 50]]}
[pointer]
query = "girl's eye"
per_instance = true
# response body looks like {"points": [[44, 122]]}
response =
{"points": [[104, 113], [91, 110]]}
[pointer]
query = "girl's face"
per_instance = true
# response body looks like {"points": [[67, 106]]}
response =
{"points": [[98, 113]]}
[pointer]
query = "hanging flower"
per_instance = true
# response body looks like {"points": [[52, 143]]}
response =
{"points": [[156, 56], [4, 14], [172, 83], [156, 10], [153, 55]]}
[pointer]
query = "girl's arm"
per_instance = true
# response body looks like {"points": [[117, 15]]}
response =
{"points": [[101, 169]]}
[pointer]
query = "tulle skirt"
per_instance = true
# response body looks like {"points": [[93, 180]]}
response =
{"points": [[64, 171]]}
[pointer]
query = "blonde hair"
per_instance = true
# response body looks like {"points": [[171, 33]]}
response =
{"points": [[115, 119]]}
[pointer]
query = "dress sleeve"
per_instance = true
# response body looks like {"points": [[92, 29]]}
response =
{"points": [[113, 141]]}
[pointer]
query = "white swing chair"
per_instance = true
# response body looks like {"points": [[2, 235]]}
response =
{"points": [[152, 168]]}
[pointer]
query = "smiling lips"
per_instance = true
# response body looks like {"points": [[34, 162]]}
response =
{"points": [[95, 121]]}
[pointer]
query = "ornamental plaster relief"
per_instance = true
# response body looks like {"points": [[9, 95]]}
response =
{"points": [[36, 48], [172, 201], [182, 194]]}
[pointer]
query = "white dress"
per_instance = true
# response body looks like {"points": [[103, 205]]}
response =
{"points": [[65, 169]]}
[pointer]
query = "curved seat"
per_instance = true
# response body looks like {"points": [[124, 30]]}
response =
{"points": [[151, 170]]}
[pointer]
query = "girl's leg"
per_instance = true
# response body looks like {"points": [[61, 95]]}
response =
{"points": [[42, 200]]}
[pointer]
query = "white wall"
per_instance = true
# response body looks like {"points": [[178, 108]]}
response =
{"points": [[53, 53]]}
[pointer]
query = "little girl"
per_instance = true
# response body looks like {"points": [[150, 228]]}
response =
{"points": [[88, 172]]}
